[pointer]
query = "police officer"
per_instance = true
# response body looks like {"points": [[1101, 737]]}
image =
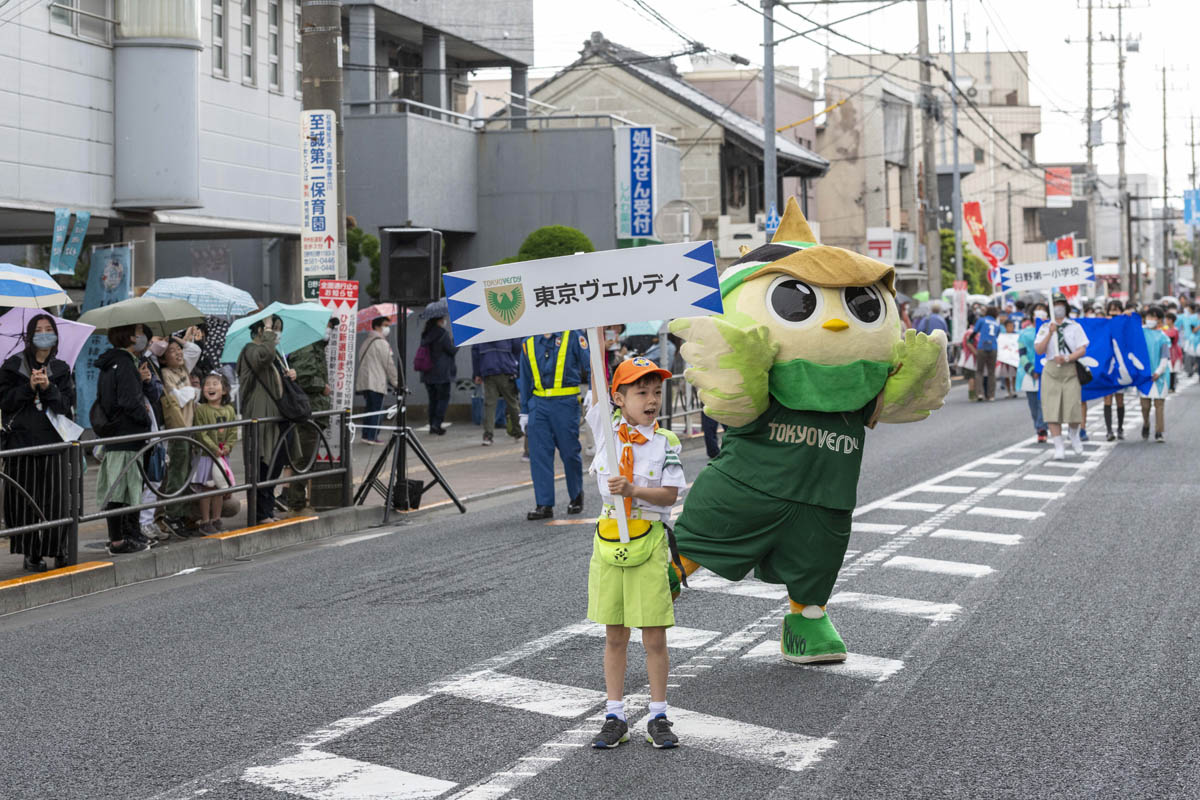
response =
{"points": [[553, 366]]}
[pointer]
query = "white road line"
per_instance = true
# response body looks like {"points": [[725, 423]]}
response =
{"points": [[1086, 464], [946, 488], [977, 536], [347, 724], [762, 745], [856, 665], [325, 776], [975, 473], [1005, 513], [1053, 478], [678, 636], [904, 505], [707, 581], [875, 527], [935, 612], [1003, 462], [1031, 494], [958, 568], [1031, 450], [526, 694], [357, 539]]}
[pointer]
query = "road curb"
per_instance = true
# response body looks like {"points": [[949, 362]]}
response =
{"points": [[32, 591]]}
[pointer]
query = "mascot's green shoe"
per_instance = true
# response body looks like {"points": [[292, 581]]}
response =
{"points": [[810, 641]]}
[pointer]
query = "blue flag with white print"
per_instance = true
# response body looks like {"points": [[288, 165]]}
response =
{"points": [[1119, 348]]}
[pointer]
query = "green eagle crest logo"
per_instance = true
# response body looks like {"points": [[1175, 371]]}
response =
{"points": [[506, 304]]}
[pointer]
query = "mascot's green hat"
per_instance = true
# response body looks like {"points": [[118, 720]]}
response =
{"points": [[794, 251]]}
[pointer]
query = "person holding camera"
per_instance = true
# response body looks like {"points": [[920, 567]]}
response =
{"points": [[260, 375]]}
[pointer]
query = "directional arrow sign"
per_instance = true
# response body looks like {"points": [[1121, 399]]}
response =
{"points": [[583, 291], [1047, 274]]}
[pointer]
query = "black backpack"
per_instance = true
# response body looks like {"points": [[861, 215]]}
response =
{"points": [[101, 420], [293, 403]]}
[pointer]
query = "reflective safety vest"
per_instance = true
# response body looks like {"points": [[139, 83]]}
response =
{"points": [[558, 390]]}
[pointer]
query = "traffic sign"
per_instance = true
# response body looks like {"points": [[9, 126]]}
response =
{"points": [[318, 198], [1191, 207], [772, 223], [582, 291], [999, 249], [1047, 274]]}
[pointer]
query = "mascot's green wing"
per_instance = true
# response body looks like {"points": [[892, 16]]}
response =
{"points": [[728, 365], [920, 379]]}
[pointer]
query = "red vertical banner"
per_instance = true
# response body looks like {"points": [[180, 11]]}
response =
{"points": [[341, 298], [973, 217], [1066, 249], [1058, 187]]}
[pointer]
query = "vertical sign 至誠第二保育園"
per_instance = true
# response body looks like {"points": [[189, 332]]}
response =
{"points": [[318, 199], [636, 182], [110, 280], [341, 298]]}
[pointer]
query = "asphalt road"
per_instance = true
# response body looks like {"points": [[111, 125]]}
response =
{"points": [[1017, 629]]}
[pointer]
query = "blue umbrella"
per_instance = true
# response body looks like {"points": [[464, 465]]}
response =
{"points": [[303, 324], [21, 287], [213, 298]]}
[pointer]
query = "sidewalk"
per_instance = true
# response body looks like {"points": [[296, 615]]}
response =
{"points": [[471, 470]]}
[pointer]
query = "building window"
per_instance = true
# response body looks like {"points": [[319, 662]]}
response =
{"points": [[1029, 216], [979, 156], [95, 28], [1027, 146], [220, 34], [273, 25], [248, 34], [299, 68]]}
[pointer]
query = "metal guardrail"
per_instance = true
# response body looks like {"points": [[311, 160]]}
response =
{"points": [[75, 454], [680, 399]]}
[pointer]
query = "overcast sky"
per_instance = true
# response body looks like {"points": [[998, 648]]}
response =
{"points": [[1169, 31]]}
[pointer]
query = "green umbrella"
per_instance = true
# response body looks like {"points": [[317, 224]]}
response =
{"points": [[161, 314], [921, 297]]}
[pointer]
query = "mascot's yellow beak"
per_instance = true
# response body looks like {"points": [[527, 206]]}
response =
{"points": [[835, 324]]}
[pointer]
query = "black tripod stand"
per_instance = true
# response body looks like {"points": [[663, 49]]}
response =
{"points": [[401, 439]]}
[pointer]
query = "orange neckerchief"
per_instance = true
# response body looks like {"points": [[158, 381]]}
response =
{"points": [[631, 436]]}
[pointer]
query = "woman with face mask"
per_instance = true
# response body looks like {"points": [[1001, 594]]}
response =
{"points": [[1063, 343], [33, 384], [375, 374], [1158, 345], [1027, 373]]}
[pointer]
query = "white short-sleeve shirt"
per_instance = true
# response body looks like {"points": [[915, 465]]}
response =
{"points": [[655, 463], [1072, 333]]}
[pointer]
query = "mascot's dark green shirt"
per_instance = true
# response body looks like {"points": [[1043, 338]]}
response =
{"points": [[811, 457]]}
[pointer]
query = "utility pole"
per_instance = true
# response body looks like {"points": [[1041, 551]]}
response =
{"points": [[1008, 201], [1194, 176], [1165, 282], [321, 81], [1092, 178], [769, 168], [1126, 263], [933, 222], [956, 194]]}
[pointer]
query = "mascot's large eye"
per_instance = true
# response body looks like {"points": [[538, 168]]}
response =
{"points": [[793, 302], [864, 304]]}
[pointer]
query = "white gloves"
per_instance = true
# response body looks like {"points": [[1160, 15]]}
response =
{"points": [[524, 420]]}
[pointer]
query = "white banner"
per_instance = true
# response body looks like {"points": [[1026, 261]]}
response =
{"points": [[318, 198], [582, 291], [341, 298], [1007, 351], [1047, 274]]}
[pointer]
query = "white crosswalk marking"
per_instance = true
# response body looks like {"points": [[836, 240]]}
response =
{"points": [[542, 697], [678, 636], [875, 527], [975, 473], [1002, 462], [729, 737], [325, 776], [977, 536], [946, 488], [935, 612], [904, 505], [1053, 478], [1032, 494], [960, 568], [1076, 465], [706, 581], [1006, 513], [856, 665]]}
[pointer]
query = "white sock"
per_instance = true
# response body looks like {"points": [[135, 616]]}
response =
{"points": [[658, 708], [616, 707]]}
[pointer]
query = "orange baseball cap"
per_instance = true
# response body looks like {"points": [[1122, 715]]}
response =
{"points": [[630, 370]]}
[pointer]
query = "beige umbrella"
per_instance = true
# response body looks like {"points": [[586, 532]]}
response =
{"points": [[161, 314]]}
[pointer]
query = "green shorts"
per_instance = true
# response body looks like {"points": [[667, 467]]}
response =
{"points": [[731, 528], [637, 597]]}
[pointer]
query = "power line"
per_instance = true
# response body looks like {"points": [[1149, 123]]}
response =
{"points": [[1020, 66]]}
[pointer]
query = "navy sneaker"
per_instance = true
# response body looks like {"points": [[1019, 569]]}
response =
{"points": [[659, 733], [614, 732]]}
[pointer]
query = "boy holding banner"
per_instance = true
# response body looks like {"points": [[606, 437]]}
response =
{"points": [[628, 583]]}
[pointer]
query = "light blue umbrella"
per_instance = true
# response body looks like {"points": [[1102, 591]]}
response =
{"points": [[213, 298], [22, 287], [303, 324]]}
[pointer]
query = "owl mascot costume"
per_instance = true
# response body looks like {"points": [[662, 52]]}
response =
{"points": [[808, 354]]}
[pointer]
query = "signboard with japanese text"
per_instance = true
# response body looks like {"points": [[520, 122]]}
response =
{"points": [[1058, 187], [74, 245], [110, 280], [881, 245], [582, 291], [958, 318], [636, 179], [341, 298], [1047, 274], [62, 221], [318, 199], [1191, 206]]}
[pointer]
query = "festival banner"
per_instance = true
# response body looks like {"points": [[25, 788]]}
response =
{"points": [[973, 217], [1058, 187], [62, 221], [74, 245], [341, 298], [110, 280]]}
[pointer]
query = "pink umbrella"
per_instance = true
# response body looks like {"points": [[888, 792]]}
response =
{"points": [[370, 313], [71, 335]]}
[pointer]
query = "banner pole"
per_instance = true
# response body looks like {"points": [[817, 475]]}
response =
{"points": [[600, 397]]}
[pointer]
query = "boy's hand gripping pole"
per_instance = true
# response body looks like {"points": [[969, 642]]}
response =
{"points": [[601, 398]]}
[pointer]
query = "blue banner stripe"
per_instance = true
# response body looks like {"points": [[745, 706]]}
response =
{"points": [[463, 332], [704, 253], [711, 302], [454, 284], [707, 278], [460, 308]]}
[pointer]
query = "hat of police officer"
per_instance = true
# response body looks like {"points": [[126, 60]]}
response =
{"points": [[631, 371]]}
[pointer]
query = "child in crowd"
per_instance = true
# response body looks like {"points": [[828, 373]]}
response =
{"points": [[1006, 374], [215, 406], [1159, 347], [628, 583], [1172, 333]]}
